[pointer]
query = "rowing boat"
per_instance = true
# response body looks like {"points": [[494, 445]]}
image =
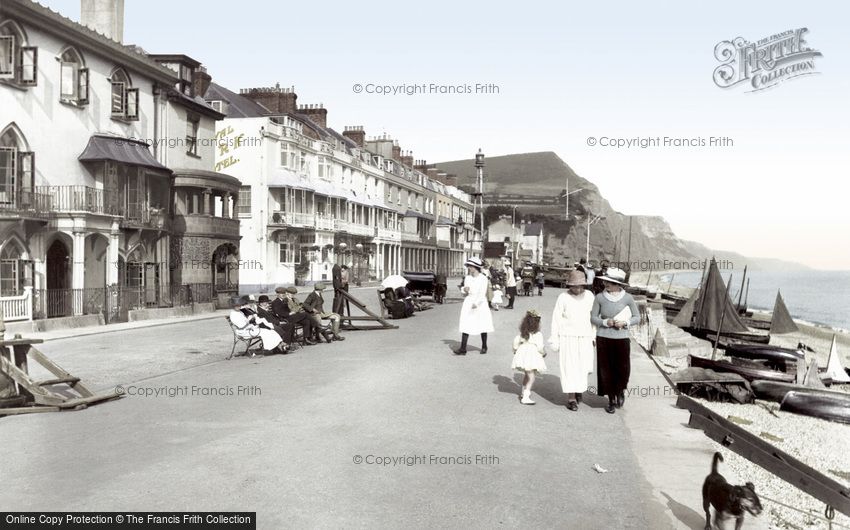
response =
{"points": [[827, 407], [751, 372]]}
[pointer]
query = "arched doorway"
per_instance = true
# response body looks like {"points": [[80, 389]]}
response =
{"points": [[59, 296]]}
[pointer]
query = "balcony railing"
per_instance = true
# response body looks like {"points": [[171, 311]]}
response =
{"points": [[361, 230], [24, 202], [387, 233], [82, 199]]}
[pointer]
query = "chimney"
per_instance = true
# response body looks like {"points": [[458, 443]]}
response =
{"points": [[317, 113], [396, 151], [105, 17], [451, 180], [278, 100], [356, 134], [431, 173], [420, 165], [407, 158], [201, 81]]}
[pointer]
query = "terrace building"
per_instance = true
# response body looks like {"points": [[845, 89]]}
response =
{"points": [[311, 197]]}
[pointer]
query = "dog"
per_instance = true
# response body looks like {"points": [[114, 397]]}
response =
{"points": [[729, 501]]}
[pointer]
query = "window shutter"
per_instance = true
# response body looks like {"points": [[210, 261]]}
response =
{"points": [[29, 66], [119, 99], [132, 103], [26, 169], [83, 86], [8, 173], [7, 57], [67, 83]]}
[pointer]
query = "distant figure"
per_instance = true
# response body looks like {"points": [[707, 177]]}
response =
{"points": [[614, 311], [475, 316], [598, 286], [336, 276], [497, 297], [587, 268], [540, 282], [510, 285], [529, 350], [440, 287]]}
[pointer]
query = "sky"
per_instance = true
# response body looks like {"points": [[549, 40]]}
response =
{"points": [[566, 72]]}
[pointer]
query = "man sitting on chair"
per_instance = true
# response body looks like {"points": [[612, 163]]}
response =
{"points": [[314, 305], [247, 325], [286, 306]]}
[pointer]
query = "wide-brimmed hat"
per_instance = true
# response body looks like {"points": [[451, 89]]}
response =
{"points": [[576, 277], [292, 290], [262, 298], [614, 275], [474, 262]]}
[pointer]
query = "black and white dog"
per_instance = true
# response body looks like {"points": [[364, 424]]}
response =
{"points": [[729, 501]]}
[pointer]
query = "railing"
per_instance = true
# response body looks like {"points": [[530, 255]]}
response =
{"points": [[340, 225], [324, 222], [112, 302], [20, 201], [361, 230], [81, 199], [297, 219], [387, 233], [17, 307]]}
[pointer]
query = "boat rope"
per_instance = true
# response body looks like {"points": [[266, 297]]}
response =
{"points": [[828, 514]]}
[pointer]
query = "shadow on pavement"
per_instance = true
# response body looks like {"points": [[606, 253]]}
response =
{"points": [[687, 516]]}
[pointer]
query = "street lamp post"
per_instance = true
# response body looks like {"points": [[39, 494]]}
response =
{"points": [[479, 168]]}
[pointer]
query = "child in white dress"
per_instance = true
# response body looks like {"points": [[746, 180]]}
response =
{"points": [[529, 350], [497, 297]]}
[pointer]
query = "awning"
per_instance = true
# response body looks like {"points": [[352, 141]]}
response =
{"points": [[445, 221], [118, 149], [413, 213], [287, 179]]}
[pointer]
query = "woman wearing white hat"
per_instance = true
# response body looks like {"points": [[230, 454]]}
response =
{"points": [[475, 316], [614, 310], [572, 337]]}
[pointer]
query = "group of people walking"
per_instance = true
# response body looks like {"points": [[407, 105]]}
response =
{"points": [[276, 322], [581, 320]]}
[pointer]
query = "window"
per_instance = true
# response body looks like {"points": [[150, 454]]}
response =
{"points": [[73, 78], [193, 123], [325, 168], [243, 205], [18, 62], [285, 154], [125, 100], [17, 170], [288, 253], [303, 166], [217, 105], [11, 280], [186, 84]]}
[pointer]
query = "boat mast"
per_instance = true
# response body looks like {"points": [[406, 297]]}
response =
{"points": [[701, 290], [720, 327], [670, 285], [747, 296], [741, 292]]}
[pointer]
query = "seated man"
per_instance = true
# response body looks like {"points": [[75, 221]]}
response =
{"points": [[282, 310], [247, 326], [314, 305], [283, 328]]}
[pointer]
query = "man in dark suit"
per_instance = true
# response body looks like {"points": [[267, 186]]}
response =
{"points": [[336, 275], [281, 309], [314, 304]]}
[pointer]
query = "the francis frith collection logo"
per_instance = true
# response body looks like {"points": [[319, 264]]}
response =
{"points": [[765, 63]]}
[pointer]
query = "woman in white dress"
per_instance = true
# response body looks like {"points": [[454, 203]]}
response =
{"points": [[247, 325], [475, 316], [572, 337]]}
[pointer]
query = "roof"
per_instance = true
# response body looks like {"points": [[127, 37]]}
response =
{"points": [[196, 103], [119, 149], [237, 106], [175, 58], [344, 139], [190, 177], [53, 22], [533, 229], [413, 213]]}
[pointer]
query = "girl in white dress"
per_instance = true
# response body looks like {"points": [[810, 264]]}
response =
{"points": [[497, 297], [475, 316], [572, 337], [529, 350]]}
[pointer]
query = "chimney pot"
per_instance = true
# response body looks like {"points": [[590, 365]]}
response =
{"points": [[105, 17]]}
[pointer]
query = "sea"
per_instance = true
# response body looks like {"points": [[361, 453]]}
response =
{"points": [[819, 297]]}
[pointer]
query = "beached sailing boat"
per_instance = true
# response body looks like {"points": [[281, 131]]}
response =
{"points": [[710, 310]]}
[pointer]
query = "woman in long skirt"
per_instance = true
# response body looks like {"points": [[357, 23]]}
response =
{"points": [[572, 337], [475, 316], [614, 311]]}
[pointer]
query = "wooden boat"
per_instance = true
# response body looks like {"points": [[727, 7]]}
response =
{"points": [[775, 391], [817, 405], [760, 351], [757, 323], [751, 372], [676, 299], [710, 309]]}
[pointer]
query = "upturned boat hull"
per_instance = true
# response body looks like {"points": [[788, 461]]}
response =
{"points": [[775, 391], [762, 351], [750, 373], [827, 407]]}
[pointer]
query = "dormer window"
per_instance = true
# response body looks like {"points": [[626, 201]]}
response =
{"points": [[125, 99], [18, 62], [186, 84], [73, 78]]}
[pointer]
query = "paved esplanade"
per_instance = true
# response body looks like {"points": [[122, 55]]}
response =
{"points": [[287, 447]]}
